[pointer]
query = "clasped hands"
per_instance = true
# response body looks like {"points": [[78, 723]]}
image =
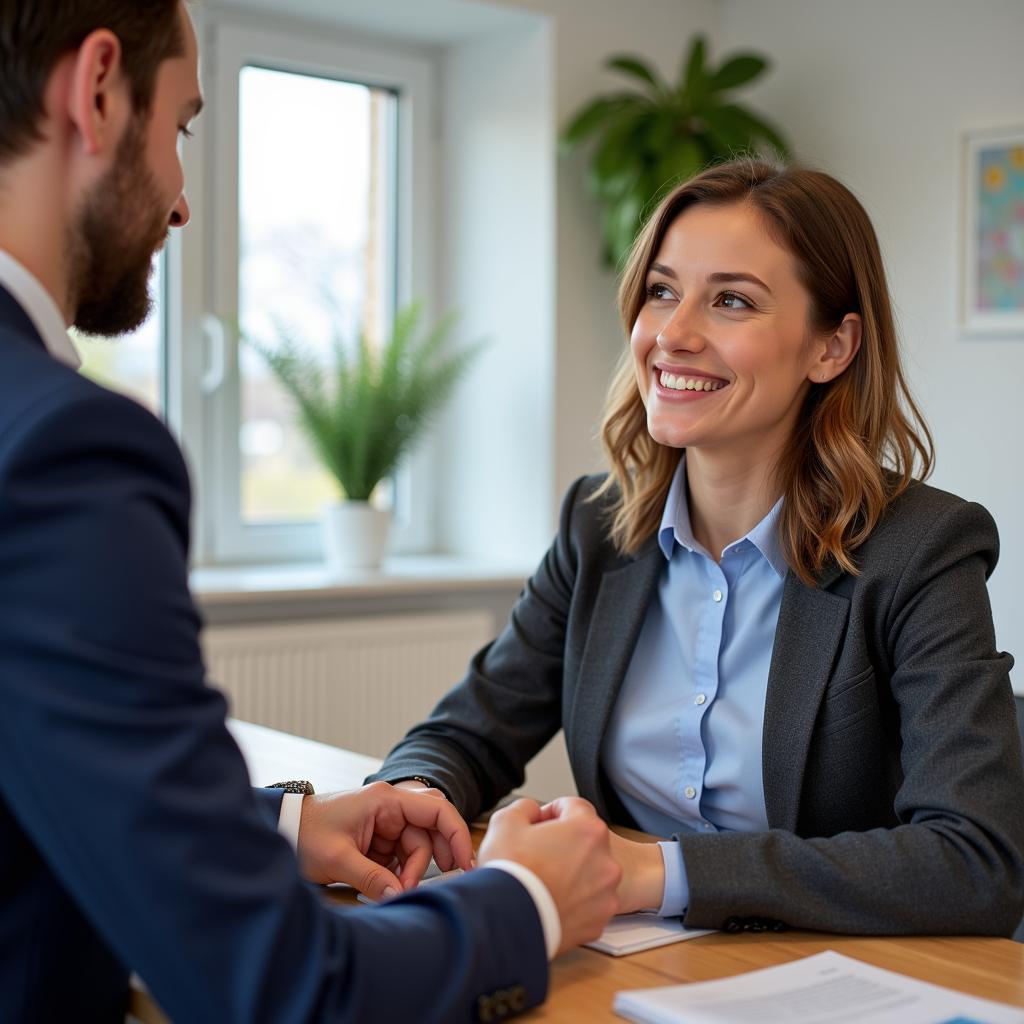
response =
{"points": [[381, 838]]}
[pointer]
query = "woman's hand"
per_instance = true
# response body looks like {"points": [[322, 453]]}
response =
{"points": [[643, 874]]}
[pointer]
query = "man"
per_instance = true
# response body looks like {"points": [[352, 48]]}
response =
{"points": [[129, 837]]}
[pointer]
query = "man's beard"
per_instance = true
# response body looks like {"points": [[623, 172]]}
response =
{"points": [[120, 226]]}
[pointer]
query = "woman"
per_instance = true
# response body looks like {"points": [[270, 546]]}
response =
{"points": [[762, 635]]}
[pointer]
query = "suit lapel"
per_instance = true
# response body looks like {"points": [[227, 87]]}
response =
{"points": [[811, 625], [622, 601]]}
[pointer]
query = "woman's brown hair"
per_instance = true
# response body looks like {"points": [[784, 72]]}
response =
{"points": [[855, 444]]}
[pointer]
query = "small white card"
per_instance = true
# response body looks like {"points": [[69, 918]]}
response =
{"points": [[633, 933]]}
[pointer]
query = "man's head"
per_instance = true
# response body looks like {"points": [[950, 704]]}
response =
{"points": [[98, 91], [34, 36]]}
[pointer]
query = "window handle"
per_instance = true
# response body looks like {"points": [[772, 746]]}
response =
{"points": [[215, 336]]}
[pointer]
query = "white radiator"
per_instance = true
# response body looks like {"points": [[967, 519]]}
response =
{"points": [[353, 683]]}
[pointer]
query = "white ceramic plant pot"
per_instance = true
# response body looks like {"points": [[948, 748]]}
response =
{"points": [[355, 535]]}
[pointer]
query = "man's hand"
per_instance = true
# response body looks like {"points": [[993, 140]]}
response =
{"points": [[380, 839], [566, 845]]}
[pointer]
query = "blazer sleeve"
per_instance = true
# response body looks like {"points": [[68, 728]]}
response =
{"points": [[954, 860], [117, 764], [477, 741]]}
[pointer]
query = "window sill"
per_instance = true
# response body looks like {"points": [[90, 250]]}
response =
{"points": [[398, 577]]}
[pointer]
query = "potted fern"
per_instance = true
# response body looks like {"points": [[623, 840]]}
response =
{"points": [[650, 137], [363, 415]]}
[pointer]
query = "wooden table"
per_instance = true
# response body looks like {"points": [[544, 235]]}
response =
{"points": [[584, 983]]}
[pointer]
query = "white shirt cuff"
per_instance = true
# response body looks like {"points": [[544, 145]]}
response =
{"points": [[550, 922], [290, 817]]}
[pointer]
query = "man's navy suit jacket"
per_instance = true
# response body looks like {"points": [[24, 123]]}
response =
{"points": [[130, 838]]}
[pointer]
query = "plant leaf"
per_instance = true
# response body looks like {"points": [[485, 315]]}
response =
{"points": [[379, 401], [637, 68], [739, 130], [736, 71], [694, 77], [597, 115], [617, 154], [681, 161], [729, 133], [625, 223]]}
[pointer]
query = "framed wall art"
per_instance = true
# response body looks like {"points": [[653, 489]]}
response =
{"points": [[992, 245]]}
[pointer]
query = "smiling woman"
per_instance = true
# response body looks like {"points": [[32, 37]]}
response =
{"points": [[775, 279], [762, 636]]}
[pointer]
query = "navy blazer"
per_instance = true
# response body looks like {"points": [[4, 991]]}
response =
{"points": [[892, 772], [130, 838]]}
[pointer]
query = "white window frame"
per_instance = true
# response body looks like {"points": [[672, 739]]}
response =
{"points": [[204, 389]]}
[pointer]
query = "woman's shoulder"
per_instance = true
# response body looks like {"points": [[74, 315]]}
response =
{"points": [[923, 516], [587, 510], [585, 488], [920, 502]]}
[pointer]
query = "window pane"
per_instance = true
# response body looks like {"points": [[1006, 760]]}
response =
{"points": [[134, 363], [316, 200]]}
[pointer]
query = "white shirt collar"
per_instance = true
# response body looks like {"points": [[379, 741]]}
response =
{"points": [[40, 308]]}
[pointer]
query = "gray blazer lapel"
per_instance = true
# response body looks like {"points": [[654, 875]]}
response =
{"points": [[615, 623], [810, 628]]}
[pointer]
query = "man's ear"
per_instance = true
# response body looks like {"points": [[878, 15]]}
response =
{"points": [[99, 103], [838, 350]]}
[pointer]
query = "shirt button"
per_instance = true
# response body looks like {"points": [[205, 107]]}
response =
{"points": [[699, 699], [690, 792], [717, 595]]}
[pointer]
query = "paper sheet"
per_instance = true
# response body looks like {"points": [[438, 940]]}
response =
{"points": [[632, 933], [827, 988]]}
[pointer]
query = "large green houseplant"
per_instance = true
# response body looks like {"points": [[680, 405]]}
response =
{"points": [[364, 413], [648, 138]]}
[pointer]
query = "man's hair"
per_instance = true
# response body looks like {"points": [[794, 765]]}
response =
{"points": [[35, 34]]}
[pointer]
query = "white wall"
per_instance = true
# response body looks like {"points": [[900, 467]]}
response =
{"points": [[878, 93], [497, 173]]}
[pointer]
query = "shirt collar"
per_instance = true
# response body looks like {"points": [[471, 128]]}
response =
{"points": [[675, 526], [40, 308]]}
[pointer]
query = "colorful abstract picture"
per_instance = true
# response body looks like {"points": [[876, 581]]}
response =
{"points": [[993, 270]]}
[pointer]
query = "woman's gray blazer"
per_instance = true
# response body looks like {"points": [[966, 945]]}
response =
{"points": [[891, 761]]}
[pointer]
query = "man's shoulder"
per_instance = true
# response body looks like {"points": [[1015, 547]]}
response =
{"points": [[44, 401]]}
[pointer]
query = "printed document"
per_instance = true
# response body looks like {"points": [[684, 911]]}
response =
{"points": [[824, 989]]}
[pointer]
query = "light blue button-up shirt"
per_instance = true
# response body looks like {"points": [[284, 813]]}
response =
{"points": [[683, 748]]}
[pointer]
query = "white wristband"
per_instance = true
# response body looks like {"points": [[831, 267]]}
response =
{"points": [[550, 922]]}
